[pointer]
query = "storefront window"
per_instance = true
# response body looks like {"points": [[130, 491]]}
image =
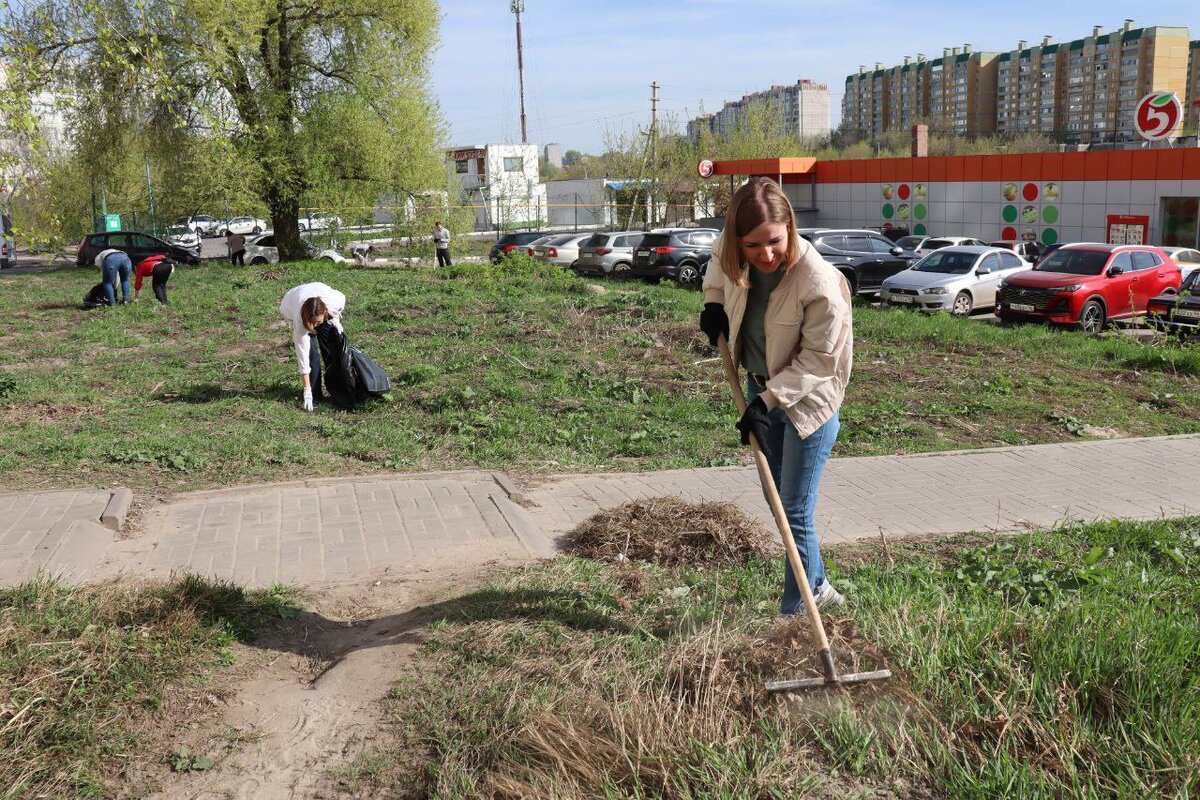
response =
{"points": [[1181, 222]]}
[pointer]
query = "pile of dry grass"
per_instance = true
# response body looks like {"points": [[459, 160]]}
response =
{"points": [[671, 531]]}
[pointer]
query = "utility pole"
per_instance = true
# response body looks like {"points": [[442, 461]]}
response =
{"points": [[653, 148], [517, 6]]}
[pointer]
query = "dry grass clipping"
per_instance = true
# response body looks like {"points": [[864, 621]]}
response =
{"points": [[670, 531]]}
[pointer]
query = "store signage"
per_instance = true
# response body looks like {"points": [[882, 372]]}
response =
{"points": [[705, 168], [463, 155], [1157, 116], [1127, 228]]}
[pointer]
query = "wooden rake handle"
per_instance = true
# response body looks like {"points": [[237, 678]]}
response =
{"points": [[785, 529]]}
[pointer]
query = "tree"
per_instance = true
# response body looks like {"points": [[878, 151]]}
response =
{"points": [[304, 102]]}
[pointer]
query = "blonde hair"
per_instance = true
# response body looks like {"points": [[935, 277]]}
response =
{"points": [[759, 200]]}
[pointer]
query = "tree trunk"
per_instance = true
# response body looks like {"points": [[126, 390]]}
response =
{"points": [[285, 220]]}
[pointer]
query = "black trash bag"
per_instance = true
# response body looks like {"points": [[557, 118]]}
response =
{"points": [[96, 298], [350, 376]]}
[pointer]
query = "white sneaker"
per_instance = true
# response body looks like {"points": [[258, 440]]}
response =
{"points": [[828, 597]]}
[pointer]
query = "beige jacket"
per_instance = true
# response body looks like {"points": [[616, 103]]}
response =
{"points": [[810, 337]]}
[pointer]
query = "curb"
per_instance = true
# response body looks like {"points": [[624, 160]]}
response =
{"points": [[113, 516]]}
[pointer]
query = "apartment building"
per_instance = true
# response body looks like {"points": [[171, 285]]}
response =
{"points": [[1027, 81], [1082, 91], [955, 92], [803, 107], [1192, 110], [866, 103]]}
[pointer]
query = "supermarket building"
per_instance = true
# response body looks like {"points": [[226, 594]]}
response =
{"points": [[1120, 196]]}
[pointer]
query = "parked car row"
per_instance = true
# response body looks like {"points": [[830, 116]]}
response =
{"points": [[678, 254], [208, 225]]}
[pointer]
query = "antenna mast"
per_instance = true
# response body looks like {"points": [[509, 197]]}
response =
{"points": [[517, 6]]}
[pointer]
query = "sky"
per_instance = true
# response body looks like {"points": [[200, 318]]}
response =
{"points": [[589, 65]]}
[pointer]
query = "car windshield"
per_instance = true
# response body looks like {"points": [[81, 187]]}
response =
{"points": [[946, 263], [596, 240], [656, 239], [910, 242], [1074, 262], [937, 244], [179, 230], [1189, 282]]}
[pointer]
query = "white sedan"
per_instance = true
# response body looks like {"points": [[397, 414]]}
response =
{"points": [[184, 236], [263, 250], [1187, 258], [938, 242], [316, 222], [955, 279], [242, 225]]}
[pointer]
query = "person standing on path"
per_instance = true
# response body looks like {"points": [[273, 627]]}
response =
{"points": [[441, 243], [786, 314], [305, 307], [237, 248], [158, 268], [114, 264]]}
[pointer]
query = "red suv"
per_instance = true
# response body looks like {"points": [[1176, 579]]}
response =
{"points": [[1087, 285]]}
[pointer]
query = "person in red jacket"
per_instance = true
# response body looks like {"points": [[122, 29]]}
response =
{"points": [[158, 269]]}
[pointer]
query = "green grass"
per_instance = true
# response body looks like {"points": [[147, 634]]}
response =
{"points": [[88, 675], [517, 369], [1056, 664]]}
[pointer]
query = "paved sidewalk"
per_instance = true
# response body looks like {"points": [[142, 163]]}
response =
{"points": [[331, 530], [338, 530], [997, 489]]}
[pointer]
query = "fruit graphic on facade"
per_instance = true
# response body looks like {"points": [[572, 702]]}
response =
{"points": [[888, 191], [1010, 191], [1029, 215]]}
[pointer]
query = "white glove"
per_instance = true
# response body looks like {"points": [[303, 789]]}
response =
{"points": [[308, 400]]}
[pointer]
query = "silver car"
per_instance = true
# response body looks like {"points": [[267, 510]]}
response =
{"points": [[607, 253], [561, 250], [955, 279], [938, 242]]}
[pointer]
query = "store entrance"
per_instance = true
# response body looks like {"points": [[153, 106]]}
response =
{"points": [[1181, 222]]}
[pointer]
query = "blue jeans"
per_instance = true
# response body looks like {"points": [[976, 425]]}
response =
{"points": [[796, 465], [116, 264]]}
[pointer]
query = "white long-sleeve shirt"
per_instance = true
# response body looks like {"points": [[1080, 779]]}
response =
{"points": [[289, 309]]}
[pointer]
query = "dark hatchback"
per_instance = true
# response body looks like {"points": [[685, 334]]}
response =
{"points": [[511, 242], [1177, 312], [864, 257], [136, 245], [681, 255]]}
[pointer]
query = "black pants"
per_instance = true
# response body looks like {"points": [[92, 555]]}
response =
{"points": [[238, 259], [443, 254], [314, 364], [159, 281]]}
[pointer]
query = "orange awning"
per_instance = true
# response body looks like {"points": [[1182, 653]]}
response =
{"points": [[771, 167]]}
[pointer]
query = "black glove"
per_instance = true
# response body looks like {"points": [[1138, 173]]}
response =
{"points": [[714, 322], [756, 419]]}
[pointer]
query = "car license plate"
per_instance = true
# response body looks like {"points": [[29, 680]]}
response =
{"points": [[1189, 313], [901, 298], [643, 252], [1020, 307]]}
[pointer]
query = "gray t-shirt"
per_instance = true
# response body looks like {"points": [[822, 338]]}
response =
{"points": [[753, 333]]}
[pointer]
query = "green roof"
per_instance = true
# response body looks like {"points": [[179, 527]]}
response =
{"points": [[1005, 57], [1102, 39], [1077, 44], [1136, 33]]}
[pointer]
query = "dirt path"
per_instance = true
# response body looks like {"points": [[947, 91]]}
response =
{"points": [[317, 703]]}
